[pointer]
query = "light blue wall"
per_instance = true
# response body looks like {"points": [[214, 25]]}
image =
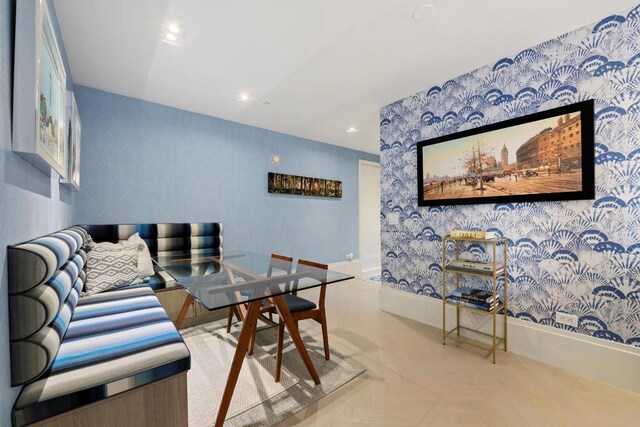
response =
{"points": [[143, 162], [31, 203]]}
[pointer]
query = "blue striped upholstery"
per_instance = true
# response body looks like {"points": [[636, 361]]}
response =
{"points": [[111, 336], [162, 238], [45, 278], [71, 351]]}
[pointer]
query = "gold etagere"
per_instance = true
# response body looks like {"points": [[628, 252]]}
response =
{"points": [[493, 276]]}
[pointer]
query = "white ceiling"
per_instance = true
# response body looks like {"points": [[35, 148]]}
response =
{"points": [[324, 65]]}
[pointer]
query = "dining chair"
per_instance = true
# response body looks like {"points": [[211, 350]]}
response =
{"points": [[302, 308], [276, 262]]}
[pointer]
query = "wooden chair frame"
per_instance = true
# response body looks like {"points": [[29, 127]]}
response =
{"points": [[277, 262], [318, 314]]}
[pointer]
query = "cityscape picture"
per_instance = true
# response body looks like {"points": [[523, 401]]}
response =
{"points": [[292, 184], [531, 158]]}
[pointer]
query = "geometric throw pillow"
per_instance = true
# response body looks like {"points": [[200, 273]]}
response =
{"points": [[110, 267], [145, 265]]}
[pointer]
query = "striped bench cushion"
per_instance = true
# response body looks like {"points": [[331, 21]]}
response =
{"points": [[163, 237], [113, 337]]}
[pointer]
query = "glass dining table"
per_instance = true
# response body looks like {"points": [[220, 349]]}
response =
{"points": [[245, 282]]}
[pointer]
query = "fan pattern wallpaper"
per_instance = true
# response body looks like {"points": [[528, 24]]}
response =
{"points": [[579, 257]]}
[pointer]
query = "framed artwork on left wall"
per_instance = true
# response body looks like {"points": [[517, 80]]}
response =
{"points": [[73, 141], [40, 90]]}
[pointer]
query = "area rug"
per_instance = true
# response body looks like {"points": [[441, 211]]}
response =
{"points": [[297, 391]]}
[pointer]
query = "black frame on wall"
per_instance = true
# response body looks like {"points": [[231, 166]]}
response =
{"points": [[586, 190]]}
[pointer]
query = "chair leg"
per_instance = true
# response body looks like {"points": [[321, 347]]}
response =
{"points": [[279, 353], [325, 335], [229, 318]]}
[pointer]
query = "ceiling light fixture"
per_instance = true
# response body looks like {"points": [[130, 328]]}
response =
{"points": [[352, 129], [422, 12], [172, 33]]}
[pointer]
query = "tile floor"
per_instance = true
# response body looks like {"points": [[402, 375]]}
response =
{"points": [[413, 380]]}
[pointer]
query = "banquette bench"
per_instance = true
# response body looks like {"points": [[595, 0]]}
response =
{"points": [[162, 239], [81, 359]]}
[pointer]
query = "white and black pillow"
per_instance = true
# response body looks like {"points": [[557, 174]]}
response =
{"points": [[145, 264], [110, 267]]}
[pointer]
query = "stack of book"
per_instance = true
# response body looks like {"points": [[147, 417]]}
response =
{"points": [[474, 234], [475, 266], [475, 298]]}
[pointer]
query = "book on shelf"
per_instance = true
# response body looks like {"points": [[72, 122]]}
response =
{"points": [[473, 234], [474, 301], [474, 266], [472, 305], [479, 298]]}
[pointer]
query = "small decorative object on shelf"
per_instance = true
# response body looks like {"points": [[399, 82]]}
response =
{"points": [[474, 234], [477, 300]]}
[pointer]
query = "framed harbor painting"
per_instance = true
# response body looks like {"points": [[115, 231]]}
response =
{"points": [[40, 90], [73, 138], [52, 91], [543, 156]]}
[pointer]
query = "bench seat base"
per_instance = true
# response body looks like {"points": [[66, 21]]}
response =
{"points": [[162, 403]]}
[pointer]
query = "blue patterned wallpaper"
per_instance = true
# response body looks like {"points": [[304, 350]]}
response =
{"points": [[579, 257]]}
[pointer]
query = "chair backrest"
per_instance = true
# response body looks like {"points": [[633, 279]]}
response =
{"points": [[46, 277], [164, 238], [318, 272], [280, 262]]}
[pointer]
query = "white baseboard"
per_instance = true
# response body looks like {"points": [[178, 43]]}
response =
{"points": [[371, 272], [613, 363], [347, 267]]}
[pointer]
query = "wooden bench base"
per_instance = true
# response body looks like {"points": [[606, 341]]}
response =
{"points": [[163, 403]]}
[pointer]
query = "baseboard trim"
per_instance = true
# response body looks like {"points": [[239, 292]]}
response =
{"points": [[347, 267], [372, 272], [610, 362]]}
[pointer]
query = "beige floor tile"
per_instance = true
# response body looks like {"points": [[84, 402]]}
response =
{"points": [[413, 380]]}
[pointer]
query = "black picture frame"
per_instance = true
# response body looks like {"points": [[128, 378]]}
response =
{"points": [[530, 175]]}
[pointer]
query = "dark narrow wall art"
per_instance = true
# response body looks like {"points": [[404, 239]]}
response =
{"points": [[279, 183]]}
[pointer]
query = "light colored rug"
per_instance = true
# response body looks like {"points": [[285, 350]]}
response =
{"points": [[296, 394], [212, 351]]}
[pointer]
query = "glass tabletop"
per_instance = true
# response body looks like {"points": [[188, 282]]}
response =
{"points": [[236, 277]]}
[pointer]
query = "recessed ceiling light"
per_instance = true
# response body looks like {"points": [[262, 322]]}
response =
{"points": [[172, 33], [244, 97], [352, 129], [422, 12]]}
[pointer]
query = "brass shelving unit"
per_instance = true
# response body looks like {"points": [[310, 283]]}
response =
{"points": [[493, 276]]}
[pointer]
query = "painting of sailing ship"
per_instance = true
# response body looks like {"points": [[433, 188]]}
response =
{"points": [[545, 156]]}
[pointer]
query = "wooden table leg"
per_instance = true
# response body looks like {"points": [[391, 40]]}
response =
{"points": [[248, 329], [183, 311], [283, 311]]}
